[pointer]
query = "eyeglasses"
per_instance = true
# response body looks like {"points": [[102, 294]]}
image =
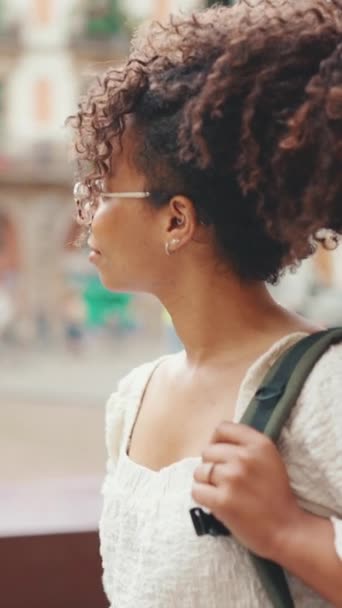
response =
{"points": [[87, 198]]}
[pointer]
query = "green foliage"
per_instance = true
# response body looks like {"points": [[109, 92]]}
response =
{"points": [[103, 305], [104, 18]]}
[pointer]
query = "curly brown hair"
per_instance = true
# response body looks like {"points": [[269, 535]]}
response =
{"points": [[309, 159], [239, 108]]}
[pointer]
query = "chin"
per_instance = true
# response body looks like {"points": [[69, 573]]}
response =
{"points": [[116, 284], [112, 285]]}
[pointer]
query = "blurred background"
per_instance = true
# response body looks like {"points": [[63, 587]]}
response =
{"points": [[65, 340]]}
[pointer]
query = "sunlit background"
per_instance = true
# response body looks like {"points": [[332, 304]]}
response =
{"points": [[65, 340]]}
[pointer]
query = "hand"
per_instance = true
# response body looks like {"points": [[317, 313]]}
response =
{"points": [[248, 489]]}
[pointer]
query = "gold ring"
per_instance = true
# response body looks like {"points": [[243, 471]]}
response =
{"points": [[211, 468]]}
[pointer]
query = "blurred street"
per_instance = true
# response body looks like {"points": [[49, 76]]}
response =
{"points": [[52, 449], [58, 376]]}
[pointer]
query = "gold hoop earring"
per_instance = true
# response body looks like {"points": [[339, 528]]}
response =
{"points": [[170, 246], [329, 238]]}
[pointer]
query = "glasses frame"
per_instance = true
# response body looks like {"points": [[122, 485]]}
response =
{"points": [[124, 194], [86, 202]]}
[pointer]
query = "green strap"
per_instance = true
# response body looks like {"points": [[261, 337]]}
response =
{"points": [[267, 413], [274, 582]]}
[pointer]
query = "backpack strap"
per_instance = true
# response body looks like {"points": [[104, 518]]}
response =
{"points": [[281, 387], [267, 413]]}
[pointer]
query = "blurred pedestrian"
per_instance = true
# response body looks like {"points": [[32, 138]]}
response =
{"points": [[6, 310], [74, 315]]}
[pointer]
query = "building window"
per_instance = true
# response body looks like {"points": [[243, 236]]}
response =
{"points": [[42, 11], [42, 101]]}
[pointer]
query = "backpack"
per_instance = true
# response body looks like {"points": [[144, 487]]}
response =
{"points": [[267, 413]]}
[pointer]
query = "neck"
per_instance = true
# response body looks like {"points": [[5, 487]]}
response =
{"points": [[218, 317]]}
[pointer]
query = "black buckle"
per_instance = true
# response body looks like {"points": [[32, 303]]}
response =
{"points": [[205, 523]]}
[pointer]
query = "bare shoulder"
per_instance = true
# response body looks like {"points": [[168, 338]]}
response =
{"points": [[162, 372], [300, 324], [146, 374]]}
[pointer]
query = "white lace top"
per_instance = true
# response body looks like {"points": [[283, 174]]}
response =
{"points": [[151, 555]]}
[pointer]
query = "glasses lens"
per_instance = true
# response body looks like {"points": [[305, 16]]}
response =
{"points": [[99, 185], [81, 191], [84, 204]]}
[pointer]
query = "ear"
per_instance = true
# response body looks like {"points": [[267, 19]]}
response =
{"points": [[182, 221]]}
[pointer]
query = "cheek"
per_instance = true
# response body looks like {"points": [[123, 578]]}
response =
{"points": [[110, 232], [102, 224], [130, 248]]}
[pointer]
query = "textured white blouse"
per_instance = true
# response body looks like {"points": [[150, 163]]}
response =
{"points": [[151, 555]]}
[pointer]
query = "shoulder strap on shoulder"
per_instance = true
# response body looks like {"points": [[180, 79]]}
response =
{"points": [[280, 389], [268, 411]]}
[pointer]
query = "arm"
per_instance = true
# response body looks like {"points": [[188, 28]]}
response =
{"points": [[306, 549]]}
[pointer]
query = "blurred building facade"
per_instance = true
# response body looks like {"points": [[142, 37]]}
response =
{"points": [[48, 49], [42, 51]]}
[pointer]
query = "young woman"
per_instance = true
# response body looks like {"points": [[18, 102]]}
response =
{"points": [[208, 162]]}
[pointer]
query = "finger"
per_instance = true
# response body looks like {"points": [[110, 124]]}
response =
{"points": [[220, 452], [238, 434], [203, 473], [207, 496], [209, 473]]}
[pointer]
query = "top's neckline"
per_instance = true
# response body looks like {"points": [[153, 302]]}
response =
{"points": [[249, 384]]}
